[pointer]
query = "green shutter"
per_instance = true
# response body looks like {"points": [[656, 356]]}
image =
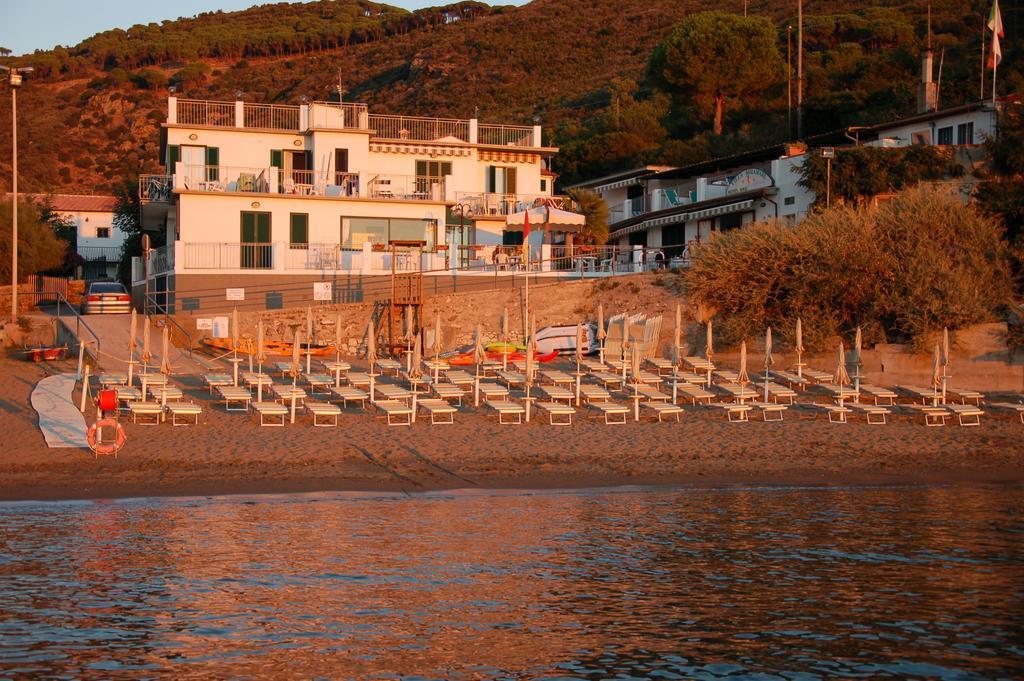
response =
{"points": [[277, 158], [173, 156], [299, 232], [510, 180], [263, 228], [421, 168], [446, 169], [212, 163], [309, 161], [248, 227], [491, 178]]}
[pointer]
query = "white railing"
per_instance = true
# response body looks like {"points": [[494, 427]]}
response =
{"points": [[201, 112], [271, 116], [161, 260], [418, 129], [506, 135], [407, 187], [155, 188], [203, 178], [491, 203], [229, 256], [318, 183], [323, 257], [100, 253], [663, 199], [333, 116]]}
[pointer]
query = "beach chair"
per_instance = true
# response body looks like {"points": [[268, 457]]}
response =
{"points": [[285, 392], [113, 380], [165, 393], [613, 413], [934, 416], [347, 393], [966, 395], [385, 365], [273, 410], [512, 378], [336, 366], [558, 377], [651, 394], [283, 368], [1009, 406], [793, 379], [836, 414], [145, 411], [878, 393], [966, 414], [184, 410], [492, 392], [323, 410], [691, 377], [506, 410], [594, 393], [359, 379], [319, 384], [739, 393], [770, 411], [558, 414], [592, 365], [694, 393], [844, 393], [608, 379], [441, 412], [254, 379], [230, 394], [394, 393], [557, 393], [393, 409], [735, 412], [726, 376], [214, 381], [818, 376], [647, 378], [926, 395], [663, 366], [876, 414], [460, 378], [779, 393], [449, 391], [662, 409], [490, 367]]}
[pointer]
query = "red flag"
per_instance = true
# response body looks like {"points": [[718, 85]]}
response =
{"points": [[526, 236]]}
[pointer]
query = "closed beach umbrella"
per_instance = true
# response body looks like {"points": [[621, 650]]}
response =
{"points": [[743, 377], [936, 372], [504, 326], [296, 365], [234, 330], [261, 356], [856, 360], [437, 335], [371, 352], [409, 330], [132, 332], [626, 344], [416, 370], [709, 347], [165, 350], [677, 335], [579, 359], [634, 362], [479, 355], [841, 377], [799, 347], [768, 359], [337, 337], [601, 335], [309, 335], [146, 353], [530, 348], [945, 360]]}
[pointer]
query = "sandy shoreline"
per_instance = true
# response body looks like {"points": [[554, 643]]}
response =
{"points": [[230, 454]]}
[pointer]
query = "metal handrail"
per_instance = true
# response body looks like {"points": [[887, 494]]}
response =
{"points": [[150, 300], [80, 322]]}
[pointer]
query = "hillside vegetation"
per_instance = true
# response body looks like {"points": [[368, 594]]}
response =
{"points": [[90, 116]]}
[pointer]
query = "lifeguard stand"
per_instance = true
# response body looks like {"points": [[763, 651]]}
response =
{"points": [[406, 290]]}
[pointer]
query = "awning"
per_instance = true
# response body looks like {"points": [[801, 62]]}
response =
{"points": [[683, 217], [555, 219]]}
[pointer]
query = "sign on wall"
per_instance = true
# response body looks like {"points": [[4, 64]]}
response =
{"points": [[322, 291], [235, 294], [748, 180], [204, 324], [221, 327]]}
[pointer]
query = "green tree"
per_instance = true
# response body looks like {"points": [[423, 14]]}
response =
{"points": [[588, 203], [718, 59], [39, 249]]}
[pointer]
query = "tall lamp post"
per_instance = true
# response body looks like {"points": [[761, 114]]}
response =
{"points": [[828, 153], [14, 77], [461, 209]]}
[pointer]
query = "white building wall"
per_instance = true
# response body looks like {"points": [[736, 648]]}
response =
{"points": [[87, 223], [904, 135]]}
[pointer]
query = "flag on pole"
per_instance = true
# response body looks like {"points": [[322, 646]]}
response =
{"points": [[526, 237], [995, 24]]}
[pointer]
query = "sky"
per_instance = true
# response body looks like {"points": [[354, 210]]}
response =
{"points": [[29, 25]]}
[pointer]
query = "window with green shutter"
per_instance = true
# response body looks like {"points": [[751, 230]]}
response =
{"points": [[299, 231], [173, 156], [212, 164]]}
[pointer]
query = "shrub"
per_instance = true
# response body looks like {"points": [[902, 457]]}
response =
{"points": [[902, 270]]}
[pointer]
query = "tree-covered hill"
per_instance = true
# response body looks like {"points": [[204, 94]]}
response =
{"points": [[90, 115]]}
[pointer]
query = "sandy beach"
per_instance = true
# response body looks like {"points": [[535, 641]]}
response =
{"points": [[229, 453]]}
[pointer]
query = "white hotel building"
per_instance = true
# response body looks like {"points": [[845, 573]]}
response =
{"points": [[272, 198]]}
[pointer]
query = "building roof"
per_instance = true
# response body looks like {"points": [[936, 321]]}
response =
{"points": [[76, 203], [624, 176], [719, 205], [925, 117]]}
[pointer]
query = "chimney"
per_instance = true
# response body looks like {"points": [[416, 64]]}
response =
{"points": [[926, 93]]}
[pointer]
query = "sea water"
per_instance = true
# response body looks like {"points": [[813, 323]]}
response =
{"points": [[787, 583]]}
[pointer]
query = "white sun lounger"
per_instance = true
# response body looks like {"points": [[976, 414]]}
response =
{"points": [[663, 366], [651, 394], [217, 380], [115, 380], [165, 393], [557, 393], [512, 378], [441, 412], [876, 414], [727, 376], [359, 379], [145, 411], [230, 394], [699, 364], [594, 393], [778, 392], [694, 393], [492, 392], [836, 414], [691, 377], [738, 392], [449, 391], [392, 365], [319, 384], [184, 410], [558, 414], [592, 365], [506, 409], [662, 409], [347, 393], [878, 393], [818, 376], [1009, 406], [284, 393], [394, 409], [270, 409], [793, 379], [323, 410], [966, 395], [926, 395], [736, 412], [460, 377], [770, 411], [613, 413], [253, 380], [608, 379], [394, 393], [966, 414], [933, 415], [558, 377], [840, 392]]}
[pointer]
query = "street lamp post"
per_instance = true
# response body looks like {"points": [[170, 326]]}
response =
{"points": [[14, 78], [828, 153]]}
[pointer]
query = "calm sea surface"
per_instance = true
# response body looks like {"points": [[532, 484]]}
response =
{"points": [[790, 583]]}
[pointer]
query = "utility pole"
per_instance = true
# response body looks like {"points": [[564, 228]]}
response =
{"points": [[800, 69], [789, 82], [14, 78]]}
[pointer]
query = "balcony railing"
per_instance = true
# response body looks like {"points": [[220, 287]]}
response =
{"points": [[506, 135], [229, 256], [407, 187], [200, 112], [629, 208], [205, 178], [318, 183], [323, 257], [489, 203], [155, 188], [418, 129], [100, 253], [271, 116]]}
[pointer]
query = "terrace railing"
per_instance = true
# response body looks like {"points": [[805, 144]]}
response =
{"points": [[100, 253], [407, 187], [506, 135], [271, 116], [155, 188], [418, 129], [229, 256], [201, 112], [492, 203]]}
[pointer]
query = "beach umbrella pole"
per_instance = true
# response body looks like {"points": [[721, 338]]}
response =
{"points": [[85, 386]]}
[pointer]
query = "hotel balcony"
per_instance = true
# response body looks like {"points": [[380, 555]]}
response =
{"points": [[355, 117], [492, 204]]}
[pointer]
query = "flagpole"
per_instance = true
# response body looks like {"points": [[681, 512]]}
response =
{"points": [[984, 28]]}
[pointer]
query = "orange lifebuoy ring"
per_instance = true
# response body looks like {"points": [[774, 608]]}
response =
{"points": [[106, 446]]}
